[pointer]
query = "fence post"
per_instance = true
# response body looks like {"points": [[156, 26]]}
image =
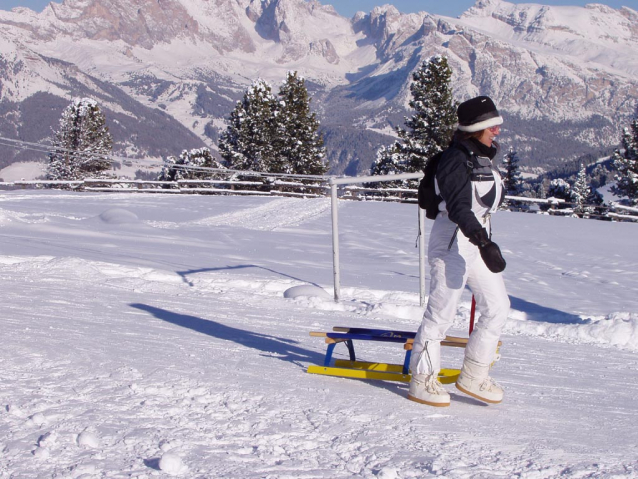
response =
{"points": [[335, 238]]}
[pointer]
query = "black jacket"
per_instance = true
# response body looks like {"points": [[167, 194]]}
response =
{"points": [[469, 184]]}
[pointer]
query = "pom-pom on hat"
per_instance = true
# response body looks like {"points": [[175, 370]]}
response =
{"points": [[478, 114]]}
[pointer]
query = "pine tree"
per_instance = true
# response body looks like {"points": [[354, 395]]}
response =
{"points": [[82, 143], [594, 198], [430, 129], [512, 178], [541, 192], [248, 142], [199, 157], [298, 146], [627, 165], [580, 191], [559, 188], [389, 161]]}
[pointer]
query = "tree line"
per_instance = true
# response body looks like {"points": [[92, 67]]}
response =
{"points": [[267, 132], [430, 129], [278, 133]]}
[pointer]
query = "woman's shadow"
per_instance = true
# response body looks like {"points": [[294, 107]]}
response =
{"points": [[280, 348], [284, 349]]}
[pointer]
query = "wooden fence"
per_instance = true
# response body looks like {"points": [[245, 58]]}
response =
{"points": [[314, 188]]}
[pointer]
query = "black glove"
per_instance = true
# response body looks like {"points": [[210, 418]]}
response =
{"points": [[490, 252]]}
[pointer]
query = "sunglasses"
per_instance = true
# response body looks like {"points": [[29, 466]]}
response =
{"points": [[495, 129]]}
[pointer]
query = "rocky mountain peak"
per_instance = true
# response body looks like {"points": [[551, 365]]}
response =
{"points": [[299, 26], [136, 22], [483, 8]]}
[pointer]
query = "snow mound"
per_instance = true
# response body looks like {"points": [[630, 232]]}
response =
{"points": [[41, 453], [47, 440], [88, 440], [616, 329], [172, 464], [118, 216], [306, 290]]}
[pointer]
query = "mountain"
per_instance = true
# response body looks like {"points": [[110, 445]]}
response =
{"points": [[168, 72]]}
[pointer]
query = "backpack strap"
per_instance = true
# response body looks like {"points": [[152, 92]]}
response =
{"points": [[466, 149]]}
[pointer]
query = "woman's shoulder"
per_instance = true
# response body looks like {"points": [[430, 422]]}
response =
{"points": [[465, 147], [458, 151]]}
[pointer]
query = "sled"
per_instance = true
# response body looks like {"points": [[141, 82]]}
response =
{"points": [[354, 368], [382, 371]]}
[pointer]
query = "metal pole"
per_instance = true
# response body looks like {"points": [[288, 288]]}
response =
{"points": [[335, 239], [421, 256]]}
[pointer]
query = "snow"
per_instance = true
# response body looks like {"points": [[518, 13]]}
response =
{"points": [[555, 29], [23, 170], [158, 336]]}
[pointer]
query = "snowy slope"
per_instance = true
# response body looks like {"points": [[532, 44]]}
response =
{"points": [[149, 335]]}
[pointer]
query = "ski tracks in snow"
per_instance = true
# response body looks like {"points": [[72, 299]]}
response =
{"points": [[276, 214]]}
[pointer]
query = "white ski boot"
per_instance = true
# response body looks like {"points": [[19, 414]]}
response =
{"points": [[475, 381], [426, 389]]}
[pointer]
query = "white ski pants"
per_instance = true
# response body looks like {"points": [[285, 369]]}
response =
{"points": [[451, 269]]}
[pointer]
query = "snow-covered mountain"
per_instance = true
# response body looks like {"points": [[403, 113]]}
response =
{"points": [[564, 77]]}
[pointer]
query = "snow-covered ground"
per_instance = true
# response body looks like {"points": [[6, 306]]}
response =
{"points": [[33, 170], [24, 170], [149, 335]]}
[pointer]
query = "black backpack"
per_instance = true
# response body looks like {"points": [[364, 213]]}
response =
{"points": [[428, 199]]}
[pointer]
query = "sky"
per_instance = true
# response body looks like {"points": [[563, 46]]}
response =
{"points": [[168, 335], [347, 8]]}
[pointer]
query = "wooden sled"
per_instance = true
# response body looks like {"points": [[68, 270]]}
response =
{"points": [[369, 370]]}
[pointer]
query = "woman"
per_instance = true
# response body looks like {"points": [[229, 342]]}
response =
{"points": [[471, 189]]}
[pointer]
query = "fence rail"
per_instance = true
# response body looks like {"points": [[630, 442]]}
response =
{"points": [[268, 185]]}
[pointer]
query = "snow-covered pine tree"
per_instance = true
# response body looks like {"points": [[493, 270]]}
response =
{"points": [[539, 191], [627, 165], [512, 178], [430, 129], [580, 191], [199, 157], [560, 189], [247, 143], [298, 145], [389, 161], [82, 143], [594, 198]]}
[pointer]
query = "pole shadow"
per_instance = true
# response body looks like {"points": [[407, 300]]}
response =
{"points": [[185, 274]]}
